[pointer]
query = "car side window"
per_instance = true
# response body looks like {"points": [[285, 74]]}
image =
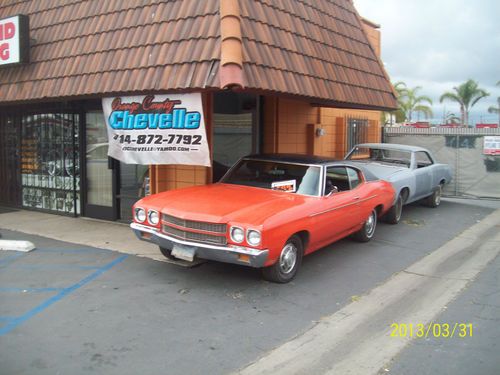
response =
{"points": [[423, 159], [354, 179], [336, 180]]}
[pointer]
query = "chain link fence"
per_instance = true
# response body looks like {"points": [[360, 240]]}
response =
{"points": [[476, 170]]}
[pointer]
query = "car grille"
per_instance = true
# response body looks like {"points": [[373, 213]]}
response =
{"points": [[196, 225], [214, 237], [194, 236]]}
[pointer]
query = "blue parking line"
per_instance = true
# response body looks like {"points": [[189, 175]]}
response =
{"points": [[63, 293]]}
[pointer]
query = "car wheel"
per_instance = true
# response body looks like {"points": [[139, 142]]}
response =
{"points": [[366, 233], [434, 199], [288, 263], [490, 165], [393, 216], [167, 253]]}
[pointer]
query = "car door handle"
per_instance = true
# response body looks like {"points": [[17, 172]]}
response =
{"points": [[356, 198]]}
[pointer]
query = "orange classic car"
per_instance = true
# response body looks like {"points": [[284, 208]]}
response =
{"points": [[268, 211]]}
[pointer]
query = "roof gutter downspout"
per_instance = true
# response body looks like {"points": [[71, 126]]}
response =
{"points": [[231, 70]]}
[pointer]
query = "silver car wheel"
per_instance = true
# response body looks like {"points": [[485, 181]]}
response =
{"points": [[399, 208], [288, 258], [370, 224], [437, 196]]}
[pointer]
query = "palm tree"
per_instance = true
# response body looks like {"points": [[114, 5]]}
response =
{"points": [[411, 102], [496, 109], [451, 118], [400, 88], [466, 95]]}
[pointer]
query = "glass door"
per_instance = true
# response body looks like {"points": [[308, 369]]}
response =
{"points": [[100, 174]]}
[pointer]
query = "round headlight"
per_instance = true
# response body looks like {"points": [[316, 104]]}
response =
{"points": [[140, 215], [153, 217], [237, 234], [253, 237]]}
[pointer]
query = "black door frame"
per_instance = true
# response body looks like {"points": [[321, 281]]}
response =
{"points": [[90, 210]]}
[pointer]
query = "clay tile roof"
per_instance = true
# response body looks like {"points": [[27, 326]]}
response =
{"points": [[94, 47], [312, 48]]}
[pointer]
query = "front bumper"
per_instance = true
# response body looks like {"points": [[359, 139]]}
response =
{"points": [[227, 254]]}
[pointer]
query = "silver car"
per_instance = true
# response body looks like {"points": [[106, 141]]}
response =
{"points": [[412, 170]]}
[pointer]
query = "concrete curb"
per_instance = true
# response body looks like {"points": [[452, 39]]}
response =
{"points": [[24, 246]]}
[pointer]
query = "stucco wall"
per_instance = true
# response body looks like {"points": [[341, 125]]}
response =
{"points": [[290, 127]]}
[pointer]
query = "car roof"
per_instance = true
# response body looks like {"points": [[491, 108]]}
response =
{"points": [[294, 158], [313, 160], [391, 146]]}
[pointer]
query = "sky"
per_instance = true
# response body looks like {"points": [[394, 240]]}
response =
{"points": [[439, 44]]}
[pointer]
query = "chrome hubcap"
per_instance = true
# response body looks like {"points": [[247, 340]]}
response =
{"points": [[399, 208], [288, 258], [370, 225]]}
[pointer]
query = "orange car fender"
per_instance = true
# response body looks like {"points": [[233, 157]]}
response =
{"points": [[275, 237]]}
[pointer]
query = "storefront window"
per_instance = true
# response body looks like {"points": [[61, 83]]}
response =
{"points": [[40, 165], [133, 185], [235, 129], [50, 169]]}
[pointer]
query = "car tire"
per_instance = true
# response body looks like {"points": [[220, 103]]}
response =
{"points": [[288, 263], [366, 233], [393, 216], [167, 253], [434, 200], [490, 165]]}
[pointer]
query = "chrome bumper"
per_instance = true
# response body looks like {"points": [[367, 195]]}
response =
{"points": [[227, 254]]}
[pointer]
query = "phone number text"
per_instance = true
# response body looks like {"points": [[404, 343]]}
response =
{"points": [[158, 139]]}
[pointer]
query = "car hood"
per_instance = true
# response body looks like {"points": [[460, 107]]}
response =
{"points": [[221, 203], [384, 171]]}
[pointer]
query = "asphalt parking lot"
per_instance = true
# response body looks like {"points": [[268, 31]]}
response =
{"points": [[477, 353], [67, 308]]}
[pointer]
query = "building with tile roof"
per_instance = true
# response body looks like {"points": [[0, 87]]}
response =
{"points": [[284, 76]]}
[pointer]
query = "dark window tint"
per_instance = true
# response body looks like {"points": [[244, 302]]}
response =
{"points": [[336, 179], [354, 179]]}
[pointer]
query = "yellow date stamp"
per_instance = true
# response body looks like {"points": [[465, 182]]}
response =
{"points": [[429, 330]]}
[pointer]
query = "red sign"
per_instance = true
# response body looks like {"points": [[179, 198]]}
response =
{"points": [[14, 40]]}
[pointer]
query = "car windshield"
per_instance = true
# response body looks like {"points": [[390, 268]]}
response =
{"points": [[287, 177], [381, 155]]}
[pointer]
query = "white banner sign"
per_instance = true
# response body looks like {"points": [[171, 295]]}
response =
{"points": [[157, 129]]}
